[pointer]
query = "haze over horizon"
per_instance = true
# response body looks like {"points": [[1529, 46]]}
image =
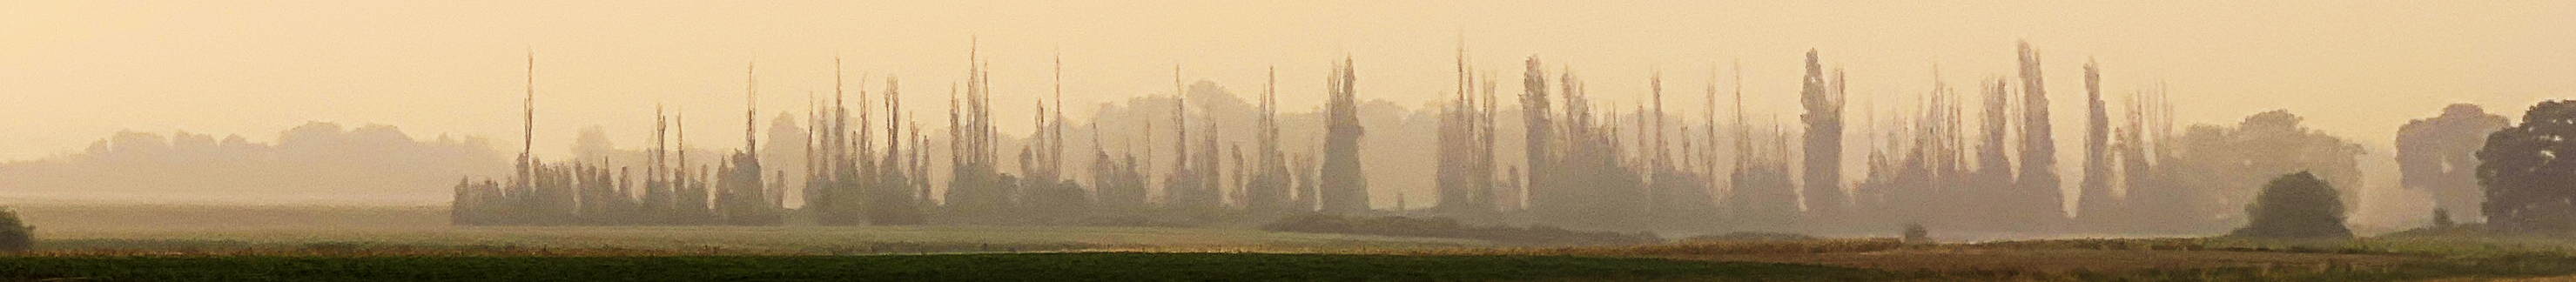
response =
{"points": [[85, 70], [1383, 140]]}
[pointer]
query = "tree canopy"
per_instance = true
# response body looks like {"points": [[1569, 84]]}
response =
{"points": [[2526, 186], [2295, 206]]}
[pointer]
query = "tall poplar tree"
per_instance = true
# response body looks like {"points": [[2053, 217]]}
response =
{"points": [[1824, 139], [1344, 190], [2095, 203], [2038, 180]]}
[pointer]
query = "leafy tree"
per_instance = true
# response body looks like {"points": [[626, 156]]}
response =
{"points": [[1269, 189], [2526, 185], [742, 194], [2142, 155], [1120, 180], [1186, 188], [1920, 169], [1993, 178], [15, 236], [1823, 99], [2036, 187], [1343, 190], [1465, 176], [2210, 165], [2295, 206], [2439, 155], [902, 179], [2095, 203], [1535, 114], [975, 185]]}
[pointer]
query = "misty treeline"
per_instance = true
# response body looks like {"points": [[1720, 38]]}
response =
{"points": [[2484, 168], [732, 191], [1933, 161], [317, 161], [1927, 166]]}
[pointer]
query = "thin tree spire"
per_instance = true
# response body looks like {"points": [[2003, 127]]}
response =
{"points": [[1741, 145], [751, 109], [1656, 83], [1055, 134], [1709, 120], [529, 128]]}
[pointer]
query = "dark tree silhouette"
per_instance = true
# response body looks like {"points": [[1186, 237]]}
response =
{"points": [[2295, 206], [15, 235], [2526, 184]]}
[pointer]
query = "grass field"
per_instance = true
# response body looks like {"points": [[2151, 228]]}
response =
{"points": [[163, 243], [288, 230], [962, 267], [1134, 266], [733, 240]]}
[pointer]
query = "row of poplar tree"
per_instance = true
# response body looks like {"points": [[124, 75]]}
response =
{"points": [[1924, 168], [586, 192], [1581, 169], [850, 179]]}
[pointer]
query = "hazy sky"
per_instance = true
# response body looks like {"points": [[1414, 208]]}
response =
{"points": [[75, 71]]}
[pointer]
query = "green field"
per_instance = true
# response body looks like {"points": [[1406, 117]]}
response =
{"points": [[962, 267], [740, 240], [228, 229], [309, 243], [1134, 266]]}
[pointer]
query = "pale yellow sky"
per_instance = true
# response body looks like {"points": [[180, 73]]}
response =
{"points": [[75, 71]]}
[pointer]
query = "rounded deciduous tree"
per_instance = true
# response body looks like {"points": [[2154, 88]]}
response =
{"points": [[15, 236], [2526, 185], [2438, 155], [2295, 206]]}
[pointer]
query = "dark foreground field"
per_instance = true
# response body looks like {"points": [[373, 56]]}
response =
{"points": [[959, 267], [1135, 266], [221, 243]]}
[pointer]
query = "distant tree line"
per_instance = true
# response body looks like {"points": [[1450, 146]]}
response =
{"points": [[2510, 173], [581, 192], [315, 160], [1580, 166]]}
